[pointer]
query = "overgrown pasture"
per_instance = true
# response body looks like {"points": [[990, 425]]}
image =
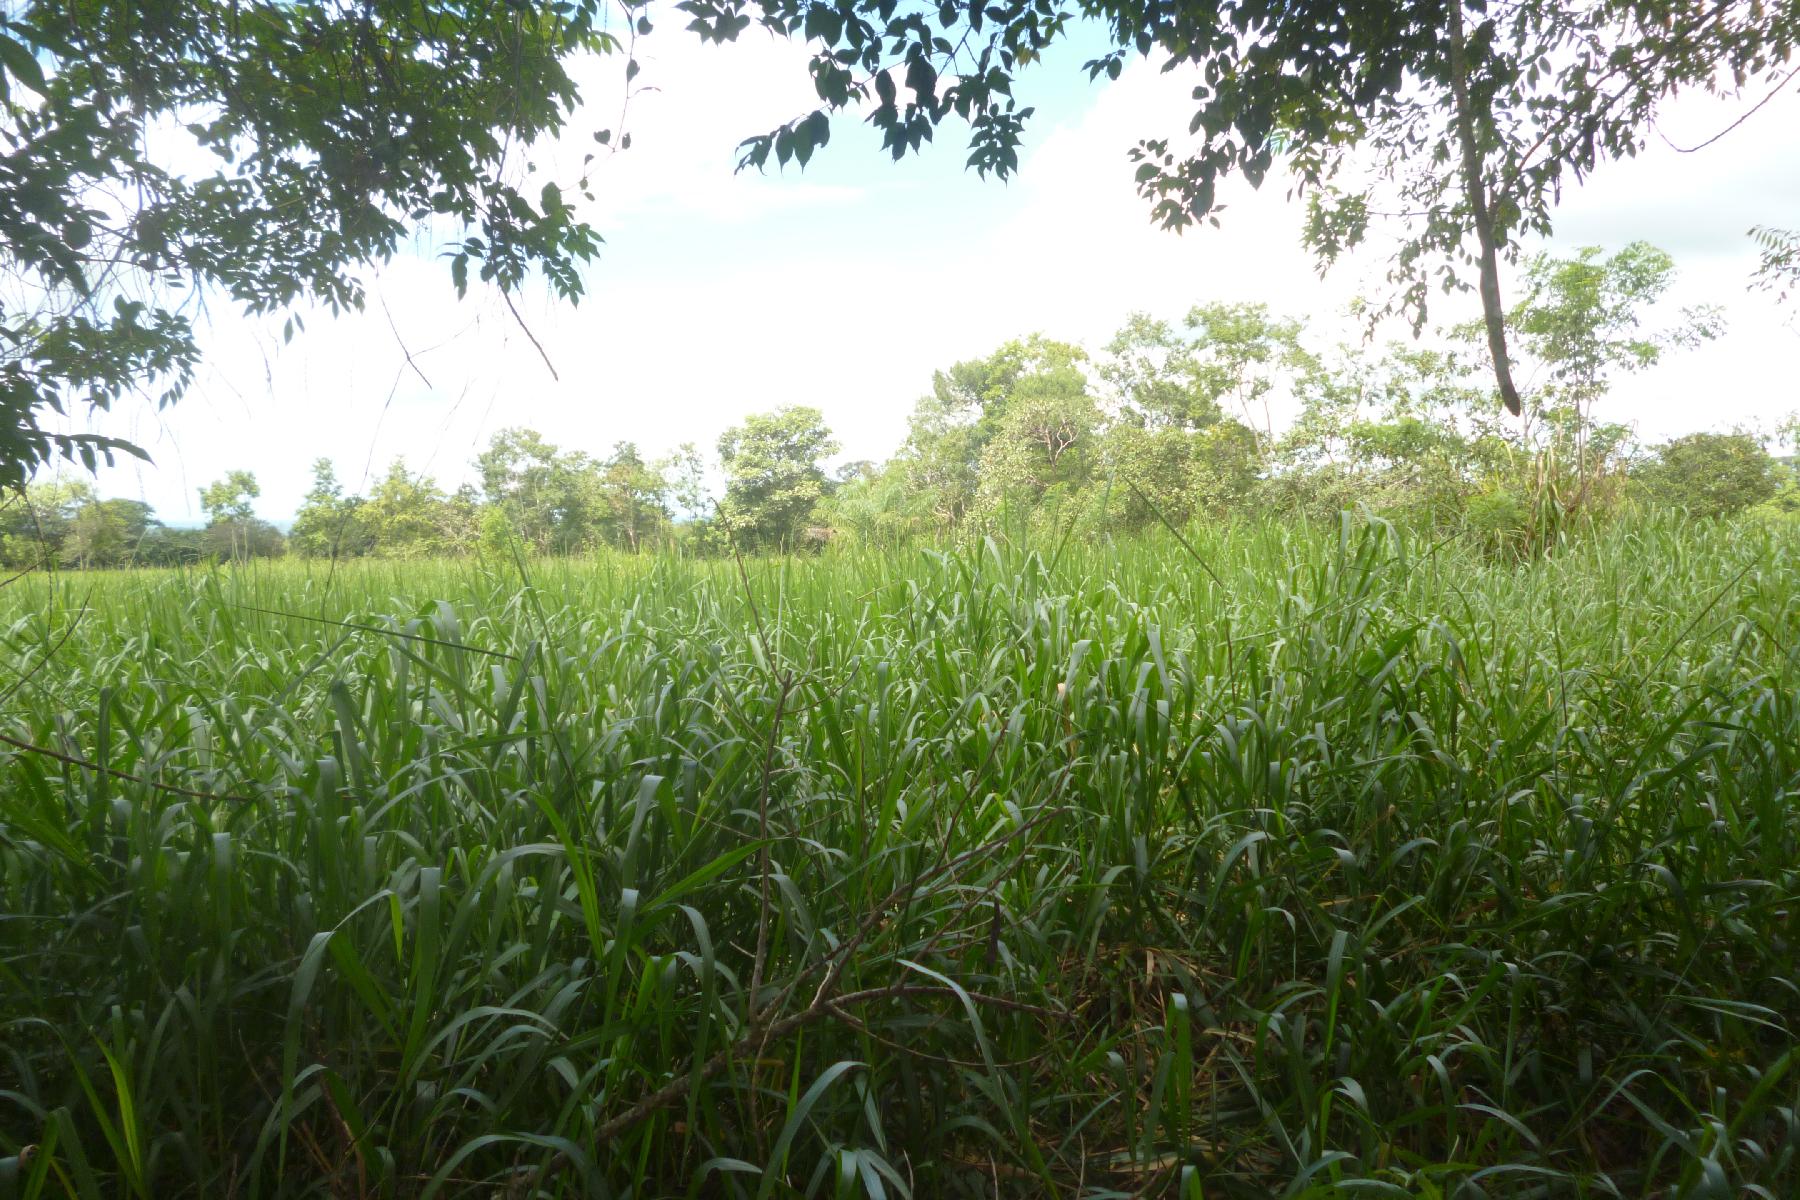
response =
{"points": [[1286, 862]]}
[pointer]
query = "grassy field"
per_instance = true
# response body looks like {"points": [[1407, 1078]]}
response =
{"points": [[1312, 863]]}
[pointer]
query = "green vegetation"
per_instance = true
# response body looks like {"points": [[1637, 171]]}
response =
{"points": [[1779, 270], [1712, 474], [773, 477], [1169, 422], [260, 154], [1278, 862], [264, 153], [1130, 795]]}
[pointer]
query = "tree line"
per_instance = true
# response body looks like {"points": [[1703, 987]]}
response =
{"points": [[1171, 422], [1175, 422]]}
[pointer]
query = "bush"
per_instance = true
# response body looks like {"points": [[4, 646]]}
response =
{"points": [[1708, 474], [1499, 520]]}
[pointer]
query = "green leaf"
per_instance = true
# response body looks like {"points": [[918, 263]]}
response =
{"points": [[19, 61]]}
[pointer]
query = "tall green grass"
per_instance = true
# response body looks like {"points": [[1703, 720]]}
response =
{"points": [[1340, 865]]}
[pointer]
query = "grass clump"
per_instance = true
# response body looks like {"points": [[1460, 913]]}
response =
{"points": [[1343, 864]]}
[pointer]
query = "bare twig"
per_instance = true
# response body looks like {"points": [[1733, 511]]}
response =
{"points": [[767, 1031], [48, 655], [1230, 653], [401, 342], [762, 634], [18, 575], [536, 345], [411, 637], [113, 772], [1751, 112], [762, 821]]}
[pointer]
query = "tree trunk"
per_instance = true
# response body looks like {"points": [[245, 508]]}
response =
{"points": [[1481, 215]]}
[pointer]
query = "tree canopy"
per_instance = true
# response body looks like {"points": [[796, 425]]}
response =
{"points": [[266, 151], [1711, 474], [773, 475]]}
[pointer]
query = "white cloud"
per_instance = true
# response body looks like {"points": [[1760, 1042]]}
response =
{"points": [[686, 113], [1700, 206], [720, 294]]}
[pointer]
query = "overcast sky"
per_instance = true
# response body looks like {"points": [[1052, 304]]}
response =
{"points": [[843, 287]]}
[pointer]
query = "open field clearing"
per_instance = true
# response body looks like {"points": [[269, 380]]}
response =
{"points": [[1337, 863]]}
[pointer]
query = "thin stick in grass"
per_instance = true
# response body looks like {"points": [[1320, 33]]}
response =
{"points": [[114, 773]]}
